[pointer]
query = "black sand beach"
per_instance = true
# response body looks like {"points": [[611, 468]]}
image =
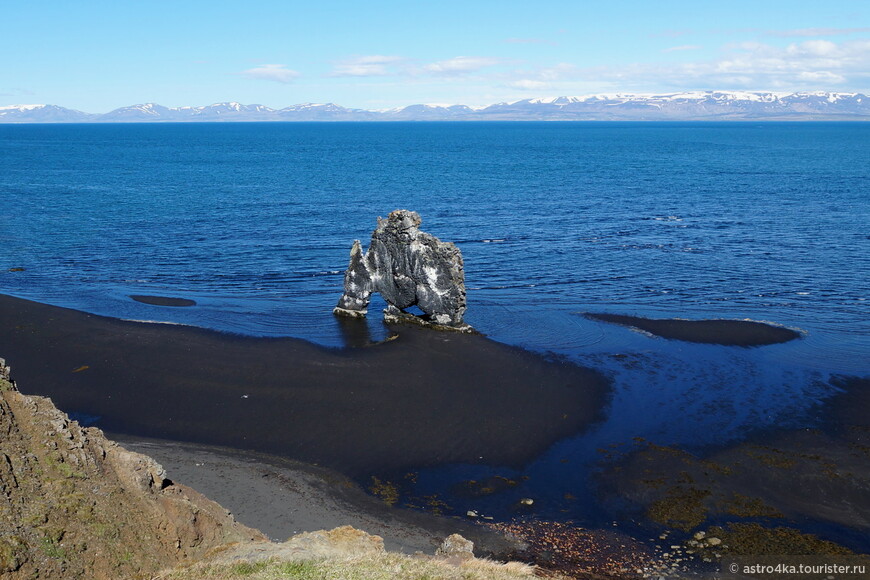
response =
{"points": [[425, 398], [281, 497], [721, 332], [163, 300]]}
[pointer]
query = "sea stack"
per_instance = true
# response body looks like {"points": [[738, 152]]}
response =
{"points": [[408, 267]]}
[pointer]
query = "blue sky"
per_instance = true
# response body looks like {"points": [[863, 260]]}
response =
{"points": [[99, 55]]}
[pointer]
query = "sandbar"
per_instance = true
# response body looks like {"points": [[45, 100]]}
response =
{"points": [[426, 398], [723, 332], [162, 300]]}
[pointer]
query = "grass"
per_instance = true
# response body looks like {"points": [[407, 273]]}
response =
{"points": [[384, 566], [56, 462], [11, 553], [51, 549]]}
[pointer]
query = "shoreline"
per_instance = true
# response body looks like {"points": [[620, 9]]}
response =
{"points": [[281, 498], [77, 504], [225, 414], [348, 415], [425, 398]]}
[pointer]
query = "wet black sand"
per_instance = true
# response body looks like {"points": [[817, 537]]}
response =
{"points": [[722, 332], [163, 300], [425, 398]]}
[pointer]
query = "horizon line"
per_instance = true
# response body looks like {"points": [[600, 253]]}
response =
{"points": [[541, 99]]}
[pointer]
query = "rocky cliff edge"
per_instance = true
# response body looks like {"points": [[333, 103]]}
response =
{"points": [[75, 505]]}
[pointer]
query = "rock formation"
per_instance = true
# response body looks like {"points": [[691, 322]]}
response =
{"points": [[346, 552], [408, 267], [456, 547]]}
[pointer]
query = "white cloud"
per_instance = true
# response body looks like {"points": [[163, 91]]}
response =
{"points": [[278, 73], [809, 65], [366, 66], [813, 48], [552, 74], [812, 64], [822, 78], [16, 92], [796, 65], [672, 33], [818, 32], [528, 85], [461, 65], [557, 72], [682, 48]]}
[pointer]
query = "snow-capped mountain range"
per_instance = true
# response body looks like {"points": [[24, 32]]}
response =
{"points": [[689, 106]]}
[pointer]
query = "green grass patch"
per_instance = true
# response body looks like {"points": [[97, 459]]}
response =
{"points": [[248, 568], [52, 549]]}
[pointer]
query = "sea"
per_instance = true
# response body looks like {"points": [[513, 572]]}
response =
{"points": [[254, 222]]}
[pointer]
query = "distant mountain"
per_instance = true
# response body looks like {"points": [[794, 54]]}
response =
{"points": [[142, 113], [43, 114], [689, 106], [710, 105], [232, 111], [430, 113], [150, 112], [324, 112]]}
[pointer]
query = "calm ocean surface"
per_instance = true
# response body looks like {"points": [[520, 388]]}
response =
{"points": [[768, 221]]}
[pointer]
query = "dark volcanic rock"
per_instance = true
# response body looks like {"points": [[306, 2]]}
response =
{"points": [[409, 268]]}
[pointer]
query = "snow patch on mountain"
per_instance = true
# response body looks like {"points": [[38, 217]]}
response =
{"points": [[20, 107]]}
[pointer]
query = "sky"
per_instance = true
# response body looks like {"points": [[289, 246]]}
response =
{"points": [[96, 56]]}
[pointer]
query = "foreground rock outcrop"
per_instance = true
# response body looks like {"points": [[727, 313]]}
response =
{"points": [[346, 552], [76, 505], [408, 267]]}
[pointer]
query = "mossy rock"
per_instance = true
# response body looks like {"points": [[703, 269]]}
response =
{"points": [[387, 491], [683, 508], [744, 506], [489, 486], [754, 539]]}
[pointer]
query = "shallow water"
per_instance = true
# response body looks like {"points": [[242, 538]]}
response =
{"points": [[766, 221]]}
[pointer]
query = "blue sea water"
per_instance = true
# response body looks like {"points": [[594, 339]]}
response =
{"points": [[763, 221]]}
